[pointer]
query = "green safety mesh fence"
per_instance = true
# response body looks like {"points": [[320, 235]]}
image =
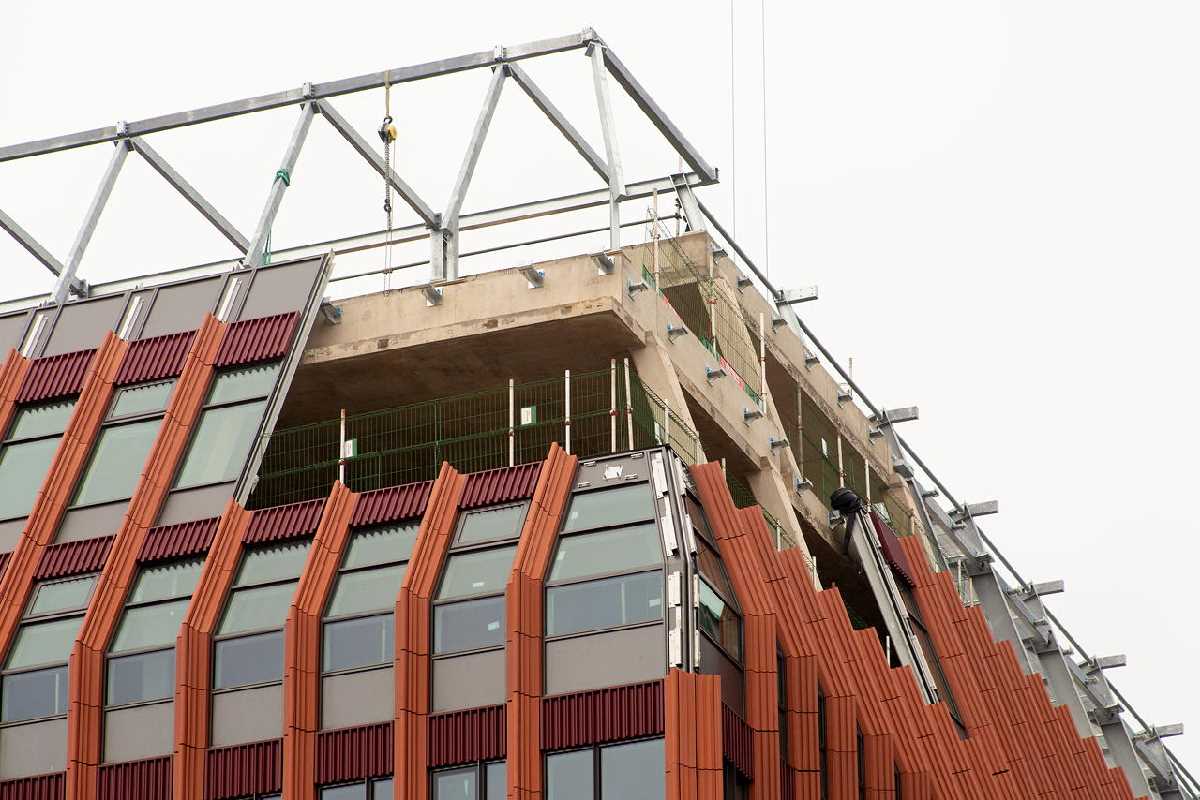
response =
{"points": [[744, 498]]}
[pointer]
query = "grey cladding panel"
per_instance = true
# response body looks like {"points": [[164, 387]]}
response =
{"points": [[82, 326], [733, 684], [606, 659], [33, 749], [281, 289], [202, 502], [11, 328], [247, 715], [357, 698], [10, 532], [182, 307], [613, 471], [468, 681], [91, 522], [131, 734]]}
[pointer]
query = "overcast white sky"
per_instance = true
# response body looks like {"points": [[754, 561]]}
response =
{"points": [[997, 200]]}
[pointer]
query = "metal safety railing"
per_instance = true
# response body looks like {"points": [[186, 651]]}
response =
{"points": [[589, 414]]}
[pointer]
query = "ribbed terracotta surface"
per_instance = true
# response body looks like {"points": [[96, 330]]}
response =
{"points": [[736, 742], [892, 551], [602, 715], [692, 740], [156, 358], [40, 787], [351, 754], [464, 737], [3, 562], [136, 780], [392, 504], [177, 541], [55, 376], [500, 485], [12, 376], [279, 523], [73, 558], [244, 770], [261, 339]]}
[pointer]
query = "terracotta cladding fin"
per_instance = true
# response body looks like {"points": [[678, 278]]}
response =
{"points": [[351, 754], [500, 485], [136, 780], [244, 770], [692, 740], [12, 376], [156, 358], [261, 339], [3, 562], [892, 551], [736, 741], [602, 715], [463, 737], [55, 376], [39, 787], [391, 504], [177, 541], [73, 558]]}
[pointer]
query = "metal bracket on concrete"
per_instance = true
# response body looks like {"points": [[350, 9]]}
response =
{"points": [[675, 331], [802, 485], [605, 264], [331, 313], [634, 288], [536, 278], [712, 373], [788, 297], [777, 444], [751, 414], [433, 295], [893, 416]]}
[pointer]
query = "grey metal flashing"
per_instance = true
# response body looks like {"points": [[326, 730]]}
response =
{"points": [[283, 178], [559, 121]]}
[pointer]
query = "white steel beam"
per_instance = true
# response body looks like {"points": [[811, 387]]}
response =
{"points": [[559, 121], [283, 179], [616, 179], [67, 280], [34, 247]]}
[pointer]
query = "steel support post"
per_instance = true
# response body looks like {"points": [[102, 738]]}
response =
{"points": [[616, 178], [283, 179], [558, 120], [688, 204], [34, 247], [66, 281], [190, 194], [450, 219]]}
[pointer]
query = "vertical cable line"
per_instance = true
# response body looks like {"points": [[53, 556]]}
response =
{"points": [[732, 127], [766, 207]]}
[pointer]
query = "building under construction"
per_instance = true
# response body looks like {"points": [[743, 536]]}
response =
{"points": [[609, 525]]}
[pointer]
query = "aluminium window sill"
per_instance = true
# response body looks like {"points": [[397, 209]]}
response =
{"points": [[263, 685], [633, 626], [19, 722], [140, 704]]}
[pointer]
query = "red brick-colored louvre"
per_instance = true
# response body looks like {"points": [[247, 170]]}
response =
{"points": [[693, 736], [57, 486], [279, 523], [73, 558], [261, 339], [156, 358], [55, 376], [463, 737], [736, 742], [243, 770], [892, 551], [136, 780], [193, 669], [177, 541], [3, 561], [391, 504], [500, 485], [523, 604], [39, 787], [351, 754], [412, 663], [302, 646], [86, 670], [603, 715]]}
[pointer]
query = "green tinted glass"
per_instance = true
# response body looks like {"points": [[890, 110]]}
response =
{"points": [[22, 469], [145, 398], [368, 590], [42, 420], [246, 383], [491, 523], [149, 626], [277, 563], [220, 444], [381, 545], [116, 463], [596, 509], [165, 581], [605, 552], [477, 573], [54, 598], [44, 642], [258, 609]]}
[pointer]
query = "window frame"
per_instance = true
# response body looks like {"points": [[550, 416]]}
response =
{"points": [[38, 619], [9, 440], [597, 762], [661, 567], [731, 604], [480, 768], [369, 783]]}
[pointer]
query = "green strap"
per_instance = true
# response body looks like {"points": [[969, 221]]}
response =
{"points": [[284, 176]]}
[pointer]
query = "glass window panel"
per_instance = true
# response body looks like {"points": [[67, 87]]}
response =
{"points": [[477, 573], [382, 789], [44, 642], [381, 545], [146, 398], [362, 642], [569, 776], [41, 420], [495, 776], [713, 570], [269, 564], [257, 608], [116, 463], [354, 791], [609, 551], [162, 582], [31, 695], [489, 524], [149, 626], [248, 660], [719, 621], [366, 590], [243, 384], [22, 468], [69, 595], [618, 506], [699, 520], [634, 771], [606, 603], [142, 677], [469, 625], [233, 427], [455, 784]]}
